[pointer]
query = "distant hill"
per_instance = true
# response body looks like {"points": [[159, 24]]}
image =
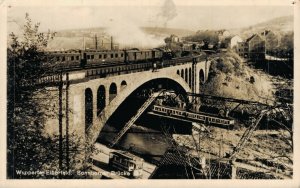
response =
{"points": [[278, 25], [167, 31], [90, 32], [285, 23]]}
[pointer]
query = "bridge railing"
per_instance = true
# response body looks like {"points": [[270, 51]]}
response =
{"points": [[105, 70]]}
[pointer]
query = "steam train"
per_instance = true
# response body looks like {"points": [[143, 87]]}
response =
{"points": [[85, 58], [92, 58]]}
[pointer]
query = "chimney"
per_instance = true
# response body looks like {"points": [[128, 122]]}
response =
{"points": [[83, 43], [111, 43], [96, 42]]}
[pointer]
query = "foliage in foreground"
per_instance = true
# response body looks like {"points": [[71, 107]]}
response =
{"points": [[29, 148]]}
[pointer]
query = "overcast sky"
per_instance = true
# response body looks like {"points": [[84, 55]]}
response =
{"points": [[167, 13]]}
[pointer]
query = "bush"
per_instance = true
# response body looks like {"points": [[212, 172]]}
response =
{"points": [[229, 63]]}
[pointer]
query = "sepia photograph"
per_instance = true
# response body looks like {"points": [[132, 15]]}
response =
{"points": [[139, 90]]}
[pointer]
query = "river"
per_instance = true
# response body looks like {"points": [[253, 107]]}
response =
{"points": [[149, 139]]}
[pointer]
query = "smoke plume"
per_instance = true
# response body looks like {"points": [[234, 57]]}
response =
{"points": [[167, 13], [129, 35]]}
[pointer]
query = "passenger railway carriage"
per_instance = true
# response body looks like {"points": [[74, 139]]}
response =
{"points": [[103, 56], [205, 118], [87, 57]]}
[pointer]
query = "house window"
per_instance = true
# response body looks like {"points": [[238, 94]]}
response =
{"points": [[63, 58], [111, 55], [92, 56], [100, 56], [77, 57], [116, 55], [72, 58], [105, 56], [88, 57]]}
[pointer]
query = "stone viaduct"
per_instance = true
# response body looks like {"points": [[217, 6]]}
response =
{"points": [[87, 103]]}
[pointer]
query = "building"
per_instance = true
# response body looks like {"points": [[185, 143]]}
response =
{"points": [[242, 49], [188, 46], [257, 47], [254, 48], [223, 34], [173, 42], [234, 41], [174, 38], [231, 42]]}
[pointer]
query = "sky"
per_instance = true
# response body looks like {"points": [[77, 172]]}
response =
{"points": [[123, 20], [168, 13]]}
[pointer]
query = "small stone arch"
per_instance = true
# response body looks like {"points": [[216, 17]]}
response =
{"points": [[88, 108], [182, 73], [112, 91], [123, 84], [178, 72], [186, 75], [201, 76], [101, 97], [190, 77]]}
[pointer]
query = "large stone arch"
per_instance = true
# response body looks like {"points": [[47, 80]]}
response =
{"points": [[201, 79], [95, 130]]}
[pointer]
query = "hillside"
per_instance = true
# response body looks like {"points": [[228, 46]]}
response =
{"points": [[231, 77]]}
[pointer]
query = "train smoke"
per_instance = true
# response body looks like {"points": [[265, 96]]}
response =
{"points": [[167, 13], [128, 35]]}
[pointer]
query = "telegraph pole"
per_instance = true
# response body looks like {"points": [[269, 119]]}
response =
{"points": [[67, 121], [60, 116]]}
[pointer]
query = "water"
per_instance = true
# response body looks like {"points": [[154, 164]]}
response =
{"points": [[150, 139]]}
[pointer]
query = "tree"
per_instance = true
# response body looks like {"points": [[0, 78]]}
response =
{"points": [[29, 148], [286, 48], [24, 118]]}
